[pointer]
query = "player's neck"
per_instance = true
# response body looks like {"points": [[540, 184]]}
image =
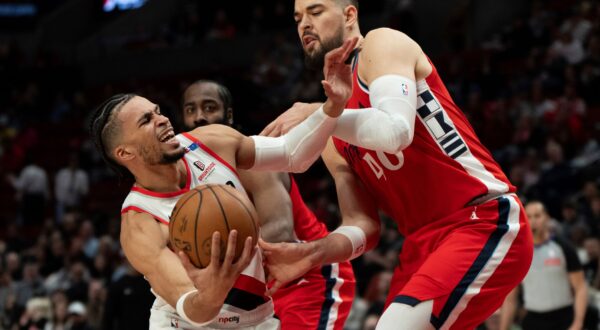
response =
{"points": [[541, 237], [163, 177]]}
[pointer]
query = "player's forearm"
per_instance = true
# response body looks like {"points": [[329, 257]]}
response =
{"points": [[300, 147], [507, 315], [580, 305], [201, 308], [330, 249], [508, 310], [278, 230], [374, 129], [343, 244]]}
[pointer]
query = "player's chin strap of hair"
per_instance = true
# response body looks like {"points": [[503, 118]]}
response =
{"points": [[389, 126], [181, 311], [296, 150]]}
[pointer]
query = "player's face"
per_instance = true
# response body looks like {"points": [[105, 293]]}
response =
{"points": [[147, 134], [320, 25], [202, 106], [538, 218]]}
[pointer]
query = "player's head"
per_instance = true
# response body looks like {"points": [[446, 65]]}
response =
{"points": [[206, 102], [323, 25], [538, 217], [130, 129]]}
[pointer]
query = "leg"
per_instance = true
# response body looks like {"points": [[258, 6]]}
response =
{"points": [[468, 269], [320, 300], [401, 316]]}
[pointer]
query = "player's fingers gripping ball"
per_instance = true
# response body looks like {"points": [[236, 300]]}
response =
{"points": [[206, 209]]}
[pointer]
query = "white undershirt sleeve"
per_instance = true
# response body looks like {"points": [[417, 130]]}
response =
{"points": [[296, 150], [389, 125]]}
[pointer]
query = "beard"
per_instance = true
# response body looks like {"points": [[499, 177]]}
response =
{"points": [[316, 60], [154, 156], [170, 158]]}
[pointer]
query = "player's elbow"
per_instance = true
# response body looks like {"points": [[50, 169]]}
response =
{"points": [[395, 137], [401, 136]]}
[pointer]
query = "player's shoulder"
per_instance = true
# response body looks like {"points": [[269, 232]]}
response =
{"points": [[215, 131], [387, 36]]}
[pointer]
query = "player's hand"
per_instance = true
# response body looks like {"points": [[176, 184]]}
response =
{"points": [[219, 277], [285, 262], [290, 118], [338, 78]]}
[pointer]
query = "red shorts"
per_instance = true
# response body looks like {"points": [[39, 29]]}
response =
{"points": [[321, 299], [466, 263]]}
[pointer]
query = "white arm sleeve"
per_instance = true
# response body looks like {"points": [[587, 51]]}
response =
{"points": [[296, 150], [389, 126]]}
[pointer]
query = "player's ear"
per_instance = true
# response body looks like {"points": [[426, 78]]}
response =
{"points": [[351, 14], [123, 153], [229, 116]]}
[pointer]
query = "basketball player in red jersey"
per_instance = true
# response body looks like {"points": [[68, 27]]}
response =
{"points": [[322, 298], [408, 150], [134, 137]]}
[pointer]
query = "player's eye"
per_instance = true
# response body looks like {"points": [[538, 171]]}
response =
{"points": [[210, 108]]}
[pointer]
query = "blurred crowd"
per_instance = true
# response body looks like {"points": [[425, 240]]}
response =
{"points": [[530, 91]]}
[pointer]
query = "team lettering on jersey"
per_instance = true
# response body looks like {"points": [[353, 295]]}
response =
{"points": [[441, 128], [378, 162]]}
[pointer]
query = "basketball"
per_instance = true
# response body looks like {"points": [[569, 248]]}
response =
{"points": [[206, 209]]}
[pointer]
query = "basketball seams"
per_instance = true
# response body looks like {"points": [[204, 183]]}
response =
{"points": [[221, 207], [207, 216], [196, 227], [245, 208], [181, 204]]}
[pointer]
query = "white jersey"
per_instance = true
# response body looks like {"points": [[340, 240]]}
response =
{"points": [[246, 305]]}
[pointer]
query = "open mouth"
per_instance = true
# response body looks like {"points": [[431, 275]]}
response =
{"points": [[167, 137]]}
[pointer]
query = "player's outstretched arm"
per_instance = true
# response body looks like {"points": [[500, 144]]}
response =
{"points": [[270, 196], [300, 147], [288, 261], [388, 61], [145, 245]]}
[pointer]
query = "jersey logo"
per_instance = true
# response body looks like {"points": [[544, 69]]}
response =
{"points": [[199, 165], [191, 147], [207, 171], [440, 126]]}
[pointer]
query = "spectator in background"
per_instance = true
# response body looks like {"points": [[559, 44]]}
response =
{"points": [[59, 317], [592, 248], [554, 291], [128, 301], [77, 317], [31, 285], [32, 190], [71, 185], [89, 242], [37, 313], [96, 303]]}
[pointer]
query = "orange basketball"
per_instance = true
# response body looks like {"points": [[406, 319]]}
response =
{"points": [[206, 209]]}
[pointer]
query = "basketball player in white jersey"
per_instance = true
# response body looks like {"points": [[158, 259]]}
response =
{"points": [[134, 137]]}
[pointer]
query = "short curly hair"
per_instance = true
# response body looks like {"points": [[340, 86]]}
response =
{"points": [[105, 129]]}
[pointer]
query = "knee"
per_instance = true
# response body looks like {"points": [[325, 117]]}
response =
{"points": [[405, 317]]}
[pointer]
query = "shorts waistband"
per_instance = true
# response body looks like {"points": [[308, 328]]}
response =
{"points": [[487, 198]]}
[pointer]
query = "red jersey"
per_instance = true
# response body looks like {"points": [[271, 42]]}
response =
{"points": [[444, 169], [306, 225]]}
